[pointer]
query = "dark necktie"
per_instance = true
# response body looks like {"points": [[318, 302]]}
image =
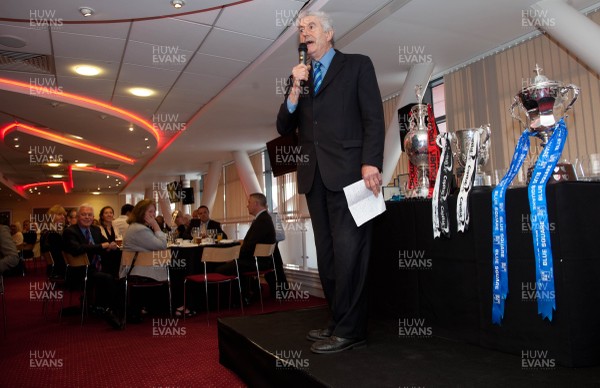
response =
{"points": [[96, 261], [318, 76]]}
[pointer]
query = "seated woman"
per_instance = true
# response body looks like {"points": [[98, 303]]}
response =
{"points": [[144, 235], [51, 240]]}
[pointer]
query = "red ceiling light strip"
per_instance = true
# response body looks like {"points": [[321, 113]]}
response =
{"points": [[38, 132], [50, 183], [100, 170], [72, 98]]}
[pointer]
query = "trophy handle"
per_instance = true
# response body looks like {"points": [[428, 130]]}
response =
{"points": [[576, 91], [512, 111]]}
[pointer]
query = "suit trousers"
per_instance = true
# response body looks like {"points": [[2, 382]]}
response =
{"points": [[343, 251]]}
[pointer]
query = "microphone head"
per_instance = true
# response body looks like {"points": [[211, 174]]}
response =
{"points": [[302, 47]]}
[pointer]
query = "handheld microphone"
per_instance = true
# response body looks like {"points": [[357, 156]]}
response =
{"points": [[302, 53], [302, 57]]}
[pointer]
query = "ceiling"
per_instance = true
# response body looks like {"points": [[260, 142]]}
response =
{"points": [[215, 66]]}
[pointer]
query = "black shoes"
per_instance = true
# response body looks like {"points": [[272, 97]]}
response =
{"points": [[113, 320], [319, 334], [335, 344]]}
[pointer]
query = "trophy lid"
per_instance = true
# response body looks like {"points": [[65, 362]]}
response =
{"points": [[541, 81]]}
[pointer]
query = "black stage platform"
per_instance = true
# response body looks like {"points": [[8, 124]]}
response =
{"points": [[270, 350]]}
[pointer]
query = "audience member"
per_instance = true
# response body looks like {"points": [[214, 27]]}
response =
{"points": [[205, 223], [144, 235], [111, 259], [72, 217], [262, 231], [120, 223], [85, 238], [51, 240], [17, 236], [9, 257], [182, 230], [29, 239], [160, 220]]}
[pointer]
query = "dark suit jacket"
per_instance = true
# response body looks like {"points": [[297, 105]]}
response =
{"points": [[75, 243], [212, 224], [261, 231], [342, 127]]}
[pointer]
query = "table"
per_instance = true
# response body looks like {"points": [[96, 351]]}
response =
{"points": [[448, 282]]}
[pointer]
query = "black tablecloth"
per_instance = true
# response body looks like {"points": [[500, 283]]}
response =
{"points": [[448, 281]]}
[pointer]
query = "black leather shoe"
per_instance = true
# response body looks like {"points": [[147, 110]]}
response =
{"points": [[335, 344], [319, 334], [112, 319]]}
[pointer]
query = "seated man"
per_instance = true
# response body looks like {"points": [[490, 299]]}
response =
{"points": [[205, 223], [262, 231], [84, 237], [29, 239], [9, 257], [180, 225]]}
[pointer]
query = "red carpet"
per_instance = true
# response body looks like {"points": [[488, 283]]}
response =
{"points": [[42, 352]]}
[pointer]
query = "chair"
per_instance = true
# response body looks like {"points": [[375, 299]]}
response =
{"points": [[262, 250], [216, 255], [56, 281], [130, 259], [77, 262], [3, 302]]}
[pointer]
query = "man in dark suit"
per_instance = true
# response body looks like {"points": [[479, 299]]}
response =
{"points": [[335, 103], [83, 237], [205, 223], [262, 231]]}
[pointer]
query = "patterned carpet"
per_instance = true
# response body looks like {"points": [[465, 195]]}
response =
{"points": [[40, 351]]}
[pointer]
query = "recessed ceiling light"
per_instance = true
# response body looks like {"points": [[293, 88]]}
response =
{"points": [[95, 192], [16, 146], [53, 164], [86, 11], [141, 92], [130, 127], [57, 176], [177, 3], [75, 137], [81, 164], [87, 70], [16, 139], [147, 147]]}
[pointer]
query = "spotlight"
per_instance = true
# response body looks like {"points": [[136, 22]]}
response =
{"points": [[86, 11], [177, 3]]}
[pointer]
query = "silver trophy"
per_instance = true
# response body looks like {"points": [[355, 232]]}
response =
{"points": [[462, 140], [416, 145], [543, 103]]}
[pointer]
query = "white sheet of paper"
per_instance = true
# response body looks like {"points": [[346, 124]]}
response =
{"points": [[362, 202]]}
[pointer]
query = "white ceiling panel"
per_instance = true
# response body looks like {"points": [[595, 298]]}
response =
{"points": [[234, 45], [182, 34], [164, 57], [116, 30], [270, 17], [150, 77], [37, 40], [218, 66], [88, 47], [206, 17]]}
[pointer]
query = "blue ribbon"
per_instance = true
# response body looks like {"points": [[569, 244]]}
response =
{"points": [[542, 245], [499, 244]]}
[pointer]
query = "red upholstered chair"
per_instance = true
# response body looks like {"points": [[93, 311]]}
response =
{"points": [[216, 255], [77, 262]]}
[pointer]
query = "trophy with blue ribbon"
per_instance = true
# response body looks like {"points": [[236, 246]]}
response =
{"points": [[543, 104]]}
